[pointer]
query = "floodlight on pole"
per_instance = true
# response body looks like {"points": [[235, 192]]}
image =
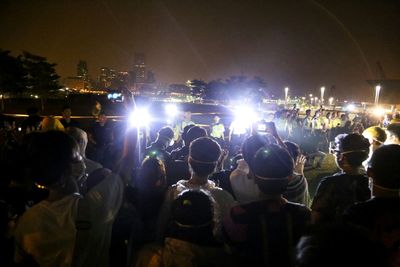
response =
{"points": [[377, 93], [286, 94], [322, 94], [331, 101]]}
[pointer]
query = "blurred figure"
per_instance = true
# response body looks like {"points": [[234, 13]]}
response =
{"points": [[265, 232], [307, 120], [393, 134], [50, 123], [297, 189], [180, 125], [336, 193], [165, 139], [33, 121], [376, 137], [81, 139], [396, 118], [96, 109], [217, 129], [100, 138], [193, 133], [151, 188], [55, 231], [66, 118]]}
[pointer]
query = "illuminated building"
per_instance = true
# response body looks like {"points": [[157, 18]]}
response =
{"points": [[82, 70], [139, 68]]}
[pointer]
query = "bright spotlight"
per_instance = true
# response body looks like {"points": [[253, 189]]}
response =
{"points": [[171, 110], [379, 112], [244, 118], [350, 107], [139, 118], [246, 114]]}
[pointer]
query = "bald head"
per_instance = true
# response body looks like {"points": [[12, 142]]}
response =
{"points": [[80, 137]]}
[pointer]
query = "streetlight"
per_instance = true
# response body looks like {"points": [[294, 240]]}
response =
{"points": [[286, 94], [331, 101], [377, 93], [322, 94]]}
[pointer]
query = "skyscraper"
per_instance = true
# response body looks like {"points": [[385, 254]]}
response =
{"points": [[139, 68], [82, 70], [104, 78]]}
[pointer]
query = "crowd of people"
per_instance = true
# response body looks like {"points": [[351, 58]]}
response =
{"points": [[106, 195]]}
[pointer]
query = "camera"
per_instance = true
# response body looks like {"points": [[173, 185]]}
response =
{"points": [[333, 147]]}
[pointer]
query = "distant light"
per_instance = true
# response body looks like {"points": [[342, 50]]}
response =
{"points": [[379, 112], [350, 107], [246, 114]]}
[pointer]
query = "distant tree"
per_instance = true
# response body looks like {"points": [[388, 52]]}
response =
{"points": [[42, 77], [12, 75], [197, 87], [216, 90], [257, 89]]}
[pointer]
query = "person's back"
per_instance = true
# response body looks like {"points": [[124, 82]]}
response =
{"points": [[380, 216], [178, 168], [190, 240], [47, 232], [334, 245], [203, 159], [265, 232], [336, 193], [269, 231]]}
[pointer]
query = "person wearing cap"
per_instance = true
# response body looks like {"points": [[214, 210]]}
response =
{"points": [[217, 129], [265, 232], [376, 137], [190, 240], [204, 154], [165, 139], [336, 193], [380, 216]]}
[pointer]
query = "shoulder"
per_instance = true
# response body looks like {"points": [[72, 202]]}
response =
{"points": [[298, 208], [331, 180]]}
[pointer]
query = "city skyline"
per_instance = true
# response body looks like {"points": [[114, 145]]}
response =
{"points": [[300, 44]]}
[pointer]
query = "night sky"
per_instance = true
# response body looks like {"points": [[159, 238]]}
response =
{"points": [[302, 44]]}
